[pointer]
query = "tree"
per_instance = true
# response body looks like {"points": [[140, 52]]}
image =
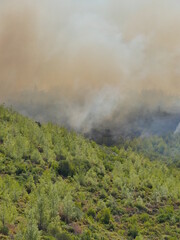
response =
{"points": [[8, 213], [42, 211], [69, 210]]}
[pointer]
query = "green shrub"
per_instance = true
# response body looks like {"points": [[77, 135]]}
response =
{"points": [[103, 194], [63, 236], [86, 235], [91, 212], [55, 230], [133, 231], [108, 166], [66, 168], [48, 238], [4, 230], [165, 214], [104, 216], [36, 157], [144, 217]]}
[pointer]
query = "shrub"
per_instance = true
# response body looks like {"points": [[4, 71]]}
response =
{"points": [[36, 157], [48, 238], [66, 168], [63, 236], [57, 233], [86, 235], [103, 194], [77, 230], [133, 231], [4, 230], [104, 216], [165, 214], [144, 217], [91, 213]]}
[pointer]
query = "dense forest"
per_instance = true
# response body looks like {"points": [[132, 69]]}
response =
{"points": [[56, 184], [165, 147]]}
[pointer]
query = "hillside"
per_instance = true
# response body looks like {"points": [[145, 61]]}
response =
{"points": [[55, 184], [165, 147]]}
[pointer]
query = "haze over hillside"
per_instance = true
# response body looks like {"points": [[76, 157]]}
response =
{"points": [[93, 64]]}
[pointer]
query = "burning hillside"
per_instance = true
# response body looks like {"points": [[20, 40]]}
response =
{"points": [[93, 65]]}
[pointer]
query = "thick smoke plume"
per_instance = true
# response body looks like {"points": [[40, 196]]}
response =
{"points": [[93, 64]]}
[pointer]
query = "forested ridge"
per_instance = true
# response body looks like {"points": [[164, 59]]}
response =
{"points": [[55, 184]]}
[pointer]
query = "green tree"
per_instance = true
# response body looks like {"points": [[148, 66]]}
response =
{"points": [[8, 213]]}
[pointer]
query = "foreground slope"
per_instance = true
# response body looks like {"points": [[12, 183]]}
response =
{"points": [[55, 184]]}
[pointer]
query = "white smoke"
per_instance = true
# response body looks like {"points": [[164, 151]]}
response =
{"points": [[86, 63], [177, 129]]}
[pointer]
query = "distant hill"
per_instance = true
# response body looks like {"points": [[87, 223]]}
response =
{"points": [[55, 184]]}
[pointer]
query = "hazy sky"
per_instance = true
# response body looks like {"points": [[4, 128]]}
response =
{"points": [[81, 62]]}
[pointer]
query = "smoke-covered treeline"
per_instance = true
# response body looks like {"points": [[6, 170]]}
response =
{"points": [[93, 64]]}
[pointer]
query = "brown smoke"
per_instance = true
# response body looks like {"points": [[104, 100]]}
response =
{"points": [[90, 63]]}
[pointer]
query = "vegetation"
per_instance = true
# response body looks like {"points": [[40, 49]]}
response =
{"points": [[165, 148], [55, 184]]}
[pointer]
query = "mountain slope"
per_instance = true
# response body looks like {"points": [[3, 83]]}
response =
{"points": [[165, 148], [55, 184]]}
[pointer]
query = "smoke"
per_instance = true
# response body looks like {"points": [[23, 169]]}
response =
{"points": [[93, 64], [177, 129]]}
